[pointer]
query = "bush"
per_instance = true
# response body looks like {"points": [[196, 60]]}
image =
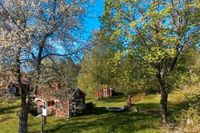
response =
{"points": [[178, 96], [137, 97], [89, 107], [8, 99], [192, 95], [152, 91], [33, 110], [189, 121]]}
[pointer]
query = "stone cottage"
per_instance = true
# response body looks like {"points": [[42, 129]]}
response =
{"points": [[62, 102]]}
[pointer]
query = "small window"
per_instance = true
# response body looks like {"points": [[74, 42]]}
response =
{"points": [[58, 105], [51, 103], [12, 89], [105, 92]]}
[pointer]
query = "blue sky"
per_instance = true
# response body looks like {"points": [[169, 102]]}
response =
{"points": [[92, 22]]}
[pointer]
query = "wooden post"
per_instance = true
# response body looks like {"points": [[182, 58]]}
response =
{"points": [[42, 124], [129, 102], [43, 117]]}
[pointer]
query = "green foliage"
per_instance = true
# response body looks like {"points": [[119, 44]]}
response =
{"points": [[117, 68], [153, 31], [159, 33], [93, 70], [33, 110], [189, 120], [193, 96], [158, 54]]}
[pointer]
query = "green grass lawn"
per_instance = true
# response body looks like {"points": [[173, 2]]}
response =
{"points": [[100, 121]]}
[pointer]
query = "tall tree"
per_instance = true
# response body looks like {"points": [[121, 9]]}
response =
{"points": [[158, 32], [107, 65], [34, 30], [92, 72]]}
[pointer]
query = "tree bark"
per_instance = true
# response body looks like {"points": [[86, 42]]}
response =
{"points": [[164, 98], [163, 106], [25, 106], [23, 114]]}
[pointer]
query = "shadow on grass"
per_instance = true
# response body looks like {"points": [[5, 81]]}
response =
{"points": [[8, 110], [110, 123], [5, 119], [178, 106], [117, 98], [99, 110], [99, 120], [93, 111], [154, 108], [146, 120], [150, 106], [103, 121], [175, 110]]}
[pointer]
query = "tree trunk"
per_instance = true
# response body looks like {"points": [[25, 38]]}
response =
{"points": [[163, 106], [163, 99], [23, 114]]}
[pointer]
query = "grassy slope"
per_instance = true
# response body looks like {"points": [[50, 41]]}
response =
{"points": [[8, 117], [100, 121]]}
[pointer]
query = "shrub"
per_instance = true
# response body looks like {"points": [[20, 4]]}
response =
{"points": [[178, 96], [138, 97], [192, 95], [189, 120], [152, 91], [33, 110], [89, 106], [10, 99]]}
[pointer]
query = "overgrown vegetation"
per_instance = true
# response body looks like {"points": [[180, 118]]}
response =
{"points": [[147, 49]]}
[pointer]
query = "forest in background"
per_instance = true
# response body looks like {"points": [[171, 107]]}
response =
{"points": [[141, 46]]}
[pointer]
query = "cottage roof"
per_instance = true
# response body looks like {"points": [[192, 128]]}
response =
{"points": [[23, 81], [69, 93], [46, 93], [53, 92]]}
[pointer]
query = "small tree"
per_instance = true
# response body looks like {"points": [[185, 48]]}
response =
{"points": [[158, 32], [32, 31]]}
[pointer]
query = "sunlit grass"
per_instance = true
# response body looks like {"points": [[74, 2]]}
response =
{"points": [[100, 121], [119, 101]]}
